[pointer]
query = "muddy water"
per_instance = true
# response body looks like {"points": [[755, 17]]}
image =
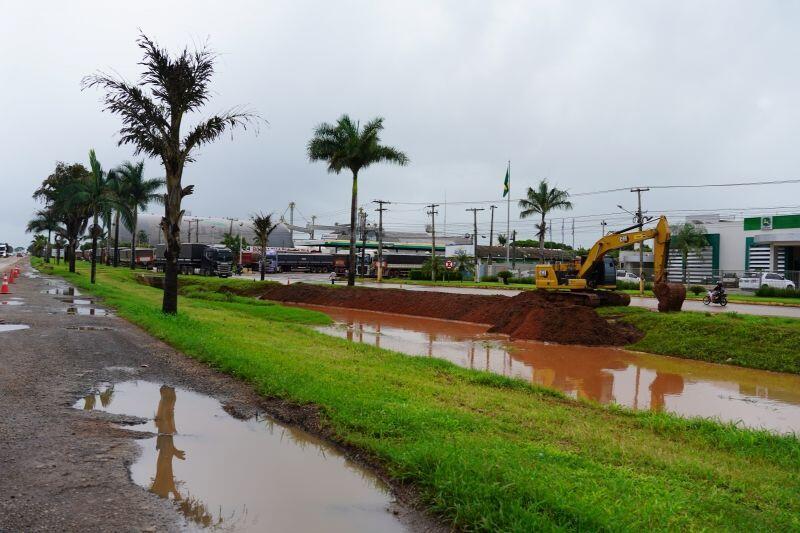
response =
{"points": [[76, 310], [755, 398], [63, 291], [12, 327], [243, 475]]}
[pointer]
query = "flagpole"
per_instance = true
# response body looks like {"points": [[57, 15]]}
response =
{"points": [[508, 218]]}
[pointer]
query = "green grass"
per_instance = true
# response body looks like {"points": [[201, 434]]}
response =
{"points": [[483, 451], [767, 343]]}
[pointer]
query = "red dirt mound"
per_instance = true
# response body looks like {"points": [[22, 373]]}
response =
{"points": [[533, 315]]}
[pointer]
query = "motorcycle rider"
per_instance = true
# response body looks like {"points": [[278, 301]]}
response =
{"points": [[717, 291]]}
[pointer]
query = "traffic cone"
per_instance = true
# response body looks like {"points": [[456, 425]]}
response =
{"points": [[4, 288], [11, 276]]}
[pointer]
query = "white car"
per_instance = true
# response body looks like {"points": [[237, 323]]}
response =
{"points": [[756, 280], [623, 275]]}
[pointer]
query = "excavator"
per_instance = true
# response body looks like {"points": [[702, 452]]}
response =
{"points": [[591, 279]]}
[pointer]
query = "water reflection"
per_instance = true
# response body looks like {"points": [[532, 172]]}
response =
{"points": [[753, 397], [254, 474]]}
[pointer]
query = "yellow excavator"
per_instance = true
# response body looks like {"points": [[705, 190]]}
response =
{"points": [[591, 280]]}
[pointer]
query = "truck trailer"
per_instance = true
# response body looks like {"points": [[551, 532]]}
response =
{"points": [[197, 258]]}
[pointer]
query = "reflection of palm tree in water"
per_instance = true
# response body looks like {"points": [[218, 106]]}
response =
{"points": [[164, 482], [88, 402], [664, 384], [106, 395]]}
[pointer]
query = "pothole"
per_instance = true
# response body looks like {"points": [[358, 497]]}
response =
{"points": [[245, 475], [77, 301]]}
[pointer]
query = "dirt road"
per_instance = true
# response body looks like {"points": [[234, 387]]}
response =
{"points": [[66, 469]]}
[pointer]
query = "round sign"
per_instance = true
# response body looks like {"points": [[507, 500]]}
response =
{"points": [[448, 264]]}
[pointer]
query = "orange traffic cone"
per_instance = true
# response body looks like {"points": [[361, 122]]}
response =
{"points": [[4, 288], [11, 276]]}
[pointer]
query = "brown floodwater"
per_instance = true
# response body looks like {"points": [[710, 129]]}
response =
{"points": [[226, 473], [754, 398]]}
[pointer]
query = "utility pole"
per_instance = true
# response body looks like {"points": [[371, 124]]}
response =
{"points": [[475, 238], [640, 220], [362, 216], [380, 211], [573, 233], [313, 223], [196, 230], [291, 221], [491, 232], [562, 231], [603, 225], [432, 212]]}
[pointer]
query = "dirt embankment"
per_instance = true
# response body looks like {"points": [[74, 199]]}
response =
{"points": [[533, 315]]}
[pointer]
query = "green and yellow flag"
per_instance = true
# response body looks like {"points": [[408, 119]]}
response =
{"points": [[507, 182]]}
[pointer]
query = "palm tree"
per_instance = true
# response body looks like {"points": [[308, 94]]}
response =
{"points": [[94, 195], [464, 262], [262, 226], [45, 220], [541, 201], [38, 245], [346, 145], [687, 238], [116, 187], [152, 113], [137, 193]]}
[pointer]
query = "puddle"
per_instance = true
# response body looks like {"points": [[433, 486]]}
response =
{"points": [[62, 291], [94, 311], [90, 328], [76, 301], [12, 302], [756, 398], [12, 327], [243, 475]]}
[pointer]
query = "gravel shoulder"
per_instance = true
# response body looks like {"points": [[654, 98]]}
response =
{"points": [[65, 469]]}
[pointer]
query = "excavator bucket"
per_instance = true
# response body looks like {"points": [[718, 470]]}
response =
{"points": [[670, 296]]}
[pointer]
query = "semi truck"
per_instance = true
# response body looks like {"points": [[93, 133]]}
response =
{"points": [[197, 258]]}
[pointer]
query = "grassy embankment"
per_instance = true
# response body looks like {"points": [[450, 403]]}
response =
{"points": [[485, 452]]}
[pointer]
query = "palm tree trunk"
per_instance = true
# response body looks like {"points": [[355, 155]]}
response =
{"points": [[47, 248], [133, 238], [541, 237], [116, 239], [94, 248], [58, 252], [172, 234], [263, 257], [351, 273], [73, 243], [685, 258]]}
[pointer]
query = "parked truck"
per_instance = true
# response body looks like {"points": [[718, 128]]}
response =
{"points": [[197, 258]]}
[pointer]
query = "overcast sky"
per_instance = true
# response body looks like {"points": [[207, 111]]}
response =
{"points": [[592, 95]]}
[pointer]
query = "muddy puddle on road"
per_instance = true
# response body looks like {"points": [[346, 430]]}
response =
{"points": [[93, 311], [12, 327], [62, 291], [756, 398], [243, 475]]}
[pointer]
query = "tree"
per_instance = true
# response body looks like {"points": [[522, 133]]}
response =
{"points": [[501, 239], [432, 263], [345, 145], [94, 194], [38, 245], [541, 201], [152, 114], [142, 238], [464, 262], [687, 238], [262, 226], [234, 243], [139, 192], [44, 220], [56, 191], [118, 194]]}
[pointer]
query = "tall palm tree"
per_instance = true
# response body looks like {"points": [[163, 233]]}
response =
{"points": [[138, 192], [541, 201], [687, 238], [152, 113], [92, 193], [44, 220], [262, 226], [117, 196], [345, 145], [38, 245]]}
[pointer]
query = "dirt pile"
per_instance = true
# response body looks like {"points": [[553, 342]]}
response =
{"points": [[532, 315], [670, 296]]}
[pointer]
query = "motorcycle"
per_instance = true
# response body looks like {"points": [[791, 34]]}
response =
{"points": [[711, 298]]}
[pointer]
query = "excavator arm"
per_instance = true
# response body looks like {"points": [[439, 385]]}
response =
{"points": [[614, 241]]}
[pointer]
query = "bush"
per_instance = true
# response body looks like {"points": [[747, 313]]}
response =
{"points": [[418, 275], [526, 281], [447, 275], [489, 279], [697, 290], [633, 286], [504, 275], [778, 293]]}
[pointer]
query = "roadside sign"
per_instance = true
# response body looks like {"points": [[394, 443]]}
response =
{"points": [[448, 264]]}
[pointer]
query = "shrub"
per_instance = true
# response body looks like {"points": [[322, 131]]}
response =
{"points": [[774, 292], [697, 289], [527, 281], [418, 275], [633, 286], [489, 278], [504, 275]]}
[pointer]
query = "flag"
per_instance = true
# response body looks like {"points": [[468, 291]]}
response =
{"points": [[507, 182]]}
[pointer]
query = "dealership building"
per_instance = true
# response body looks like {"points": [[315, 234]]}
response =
{"points": [[769, 243]]}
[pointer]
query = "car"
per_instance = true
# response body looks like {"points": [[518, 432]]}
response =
{"points": [[757, 280], [623, 275]]}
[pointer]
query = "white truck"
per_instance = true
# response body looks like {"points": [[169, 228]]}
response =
{"points": [[753, 281]]}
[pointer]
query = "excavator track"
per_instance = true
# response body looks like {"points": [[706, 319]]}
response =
{"points": [[588, 297]]}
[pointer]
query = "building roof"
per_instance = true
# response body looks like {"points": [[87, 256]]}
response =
{"points": [[520, 253]]}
